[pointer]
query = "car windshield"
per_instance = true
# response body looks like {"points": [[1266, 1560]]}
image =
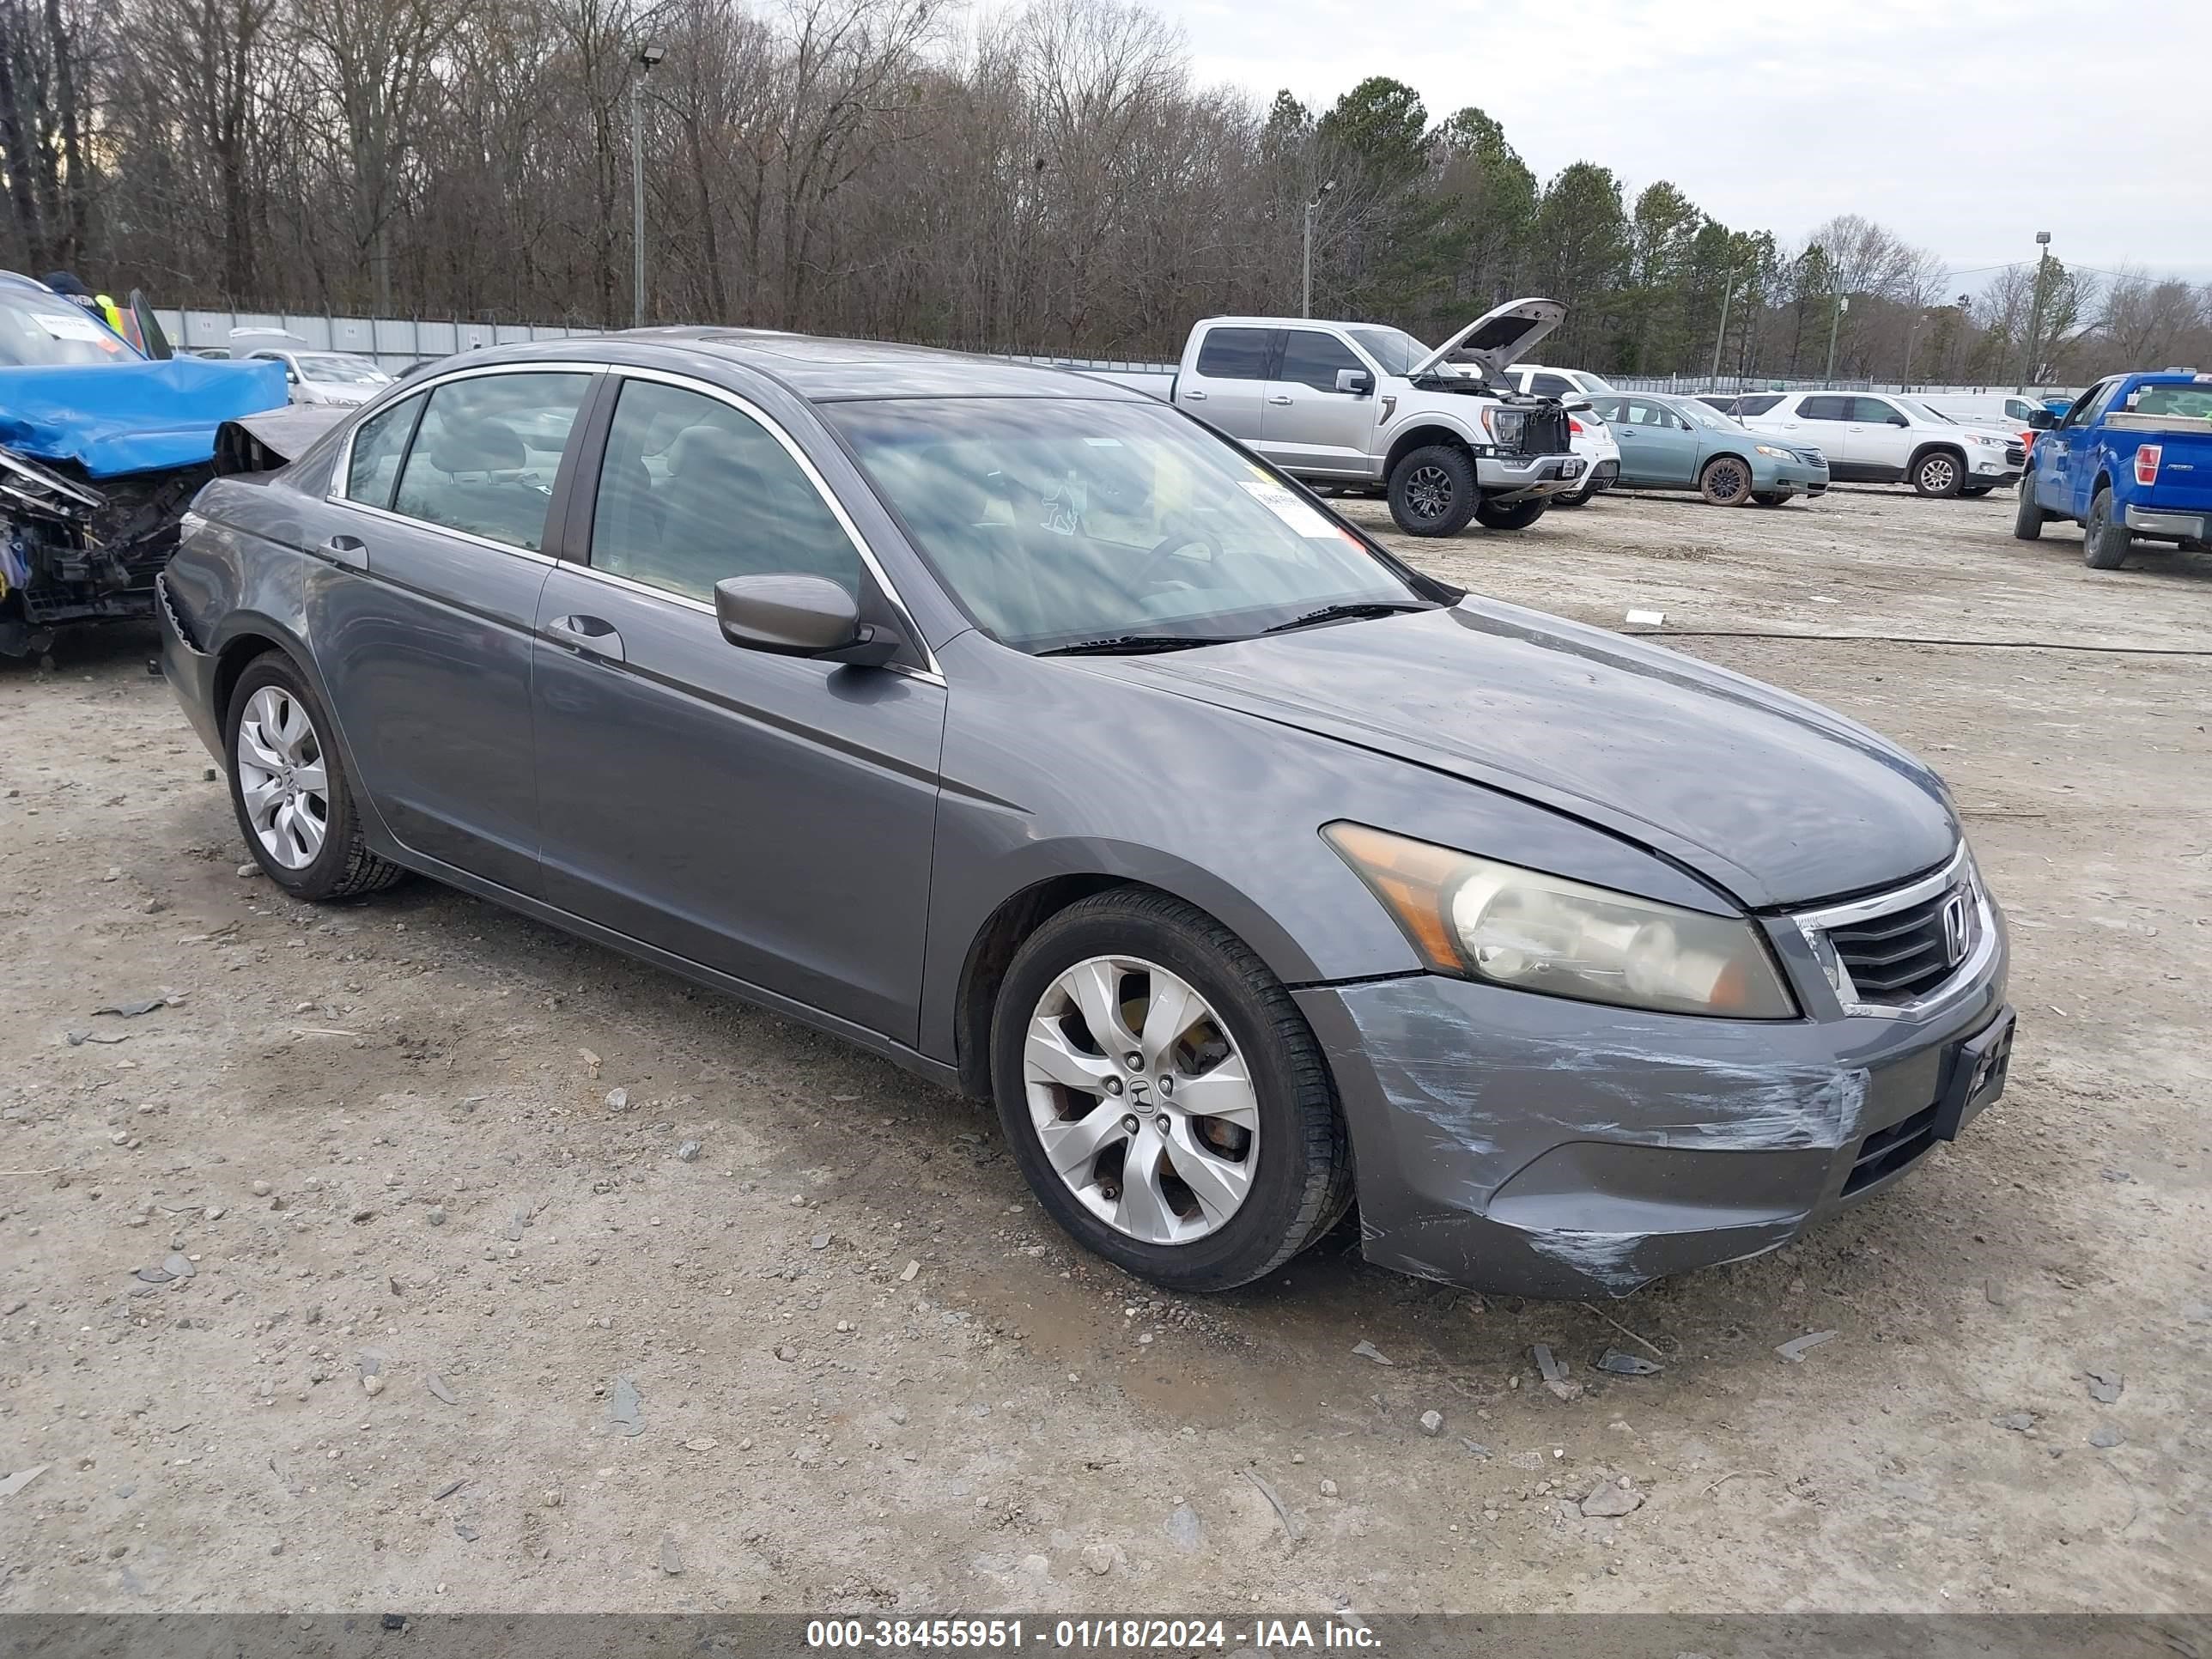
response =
{"points": [[1061, 523], [1396, 350], [1704, 415], [45, 332], [336, 369]]}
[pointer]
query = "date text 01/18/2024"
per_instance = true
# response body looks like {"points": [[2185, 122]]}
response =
{"points": [[1125, 1635]]}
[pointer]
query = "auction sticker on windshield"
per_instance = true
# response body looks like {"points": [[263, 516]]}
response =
{"points": [[63, 327], [1290, 509]]}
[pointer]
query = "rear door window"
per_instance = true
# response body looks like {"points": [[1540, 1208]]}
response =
{"points": [[378, 444], [1757, 404], [1236, 354], [486, 453], [1825, 408]]}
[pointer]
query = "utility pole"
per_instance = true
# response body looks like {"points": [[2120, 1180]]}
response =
{"points": [[1911, 329], [1835, 324], [1305, 287], [1720, 333], [2035, 312], [646, 55]]}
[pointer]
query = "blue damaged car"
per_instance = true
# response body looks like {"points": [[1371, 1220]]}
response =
{"points": [[102, 448]]}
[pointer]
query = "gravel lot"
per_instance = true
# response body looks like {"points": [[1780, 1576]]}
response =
{"points": [[421, 1135]]}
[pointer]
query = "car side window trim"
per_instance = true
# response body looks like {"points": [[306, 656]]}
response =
{"points": [[585, 489]]}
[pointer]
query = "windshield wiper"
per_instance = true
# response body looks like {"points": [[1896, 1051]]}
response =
{"points": [[1345, 612], [1135, 644]]}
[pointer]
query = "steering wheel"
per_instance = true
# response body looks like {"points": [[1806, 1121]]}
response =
{"points": [[1182, 533]]}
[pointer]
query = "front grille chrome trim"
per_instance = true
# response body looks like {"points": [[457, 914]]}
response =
{"points": [[1816, 925]]}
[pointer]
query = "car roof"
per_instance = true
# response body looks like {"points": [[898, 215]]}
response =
{"points": [[821, 369]]}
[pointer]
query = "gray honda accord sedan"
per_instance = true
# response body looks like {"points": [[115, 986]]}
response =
{"points": [[1020, 729]]}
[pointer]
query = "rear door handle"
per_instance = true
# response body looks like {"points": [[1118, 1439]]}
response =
{"points": [[1195, 396], [1281, 400], [594, 635], [350, 551]]}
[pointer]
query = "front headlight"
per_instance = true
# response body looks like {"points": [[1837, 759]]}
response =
{"points": [[1478, 919], [1778, 454], [1989, 443], [1504, 425]]}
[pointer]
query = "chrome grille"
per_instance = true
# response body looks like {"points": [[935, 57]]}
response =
{"points": [[1891, 951]]}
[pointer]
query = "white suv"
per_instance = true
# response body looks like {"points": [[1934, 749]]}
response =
{"points": [[1871, 437]]}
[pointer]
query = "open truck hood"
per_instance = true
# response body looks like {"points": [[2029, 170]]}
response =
{"points": [[1497, 337], [113, 419]]}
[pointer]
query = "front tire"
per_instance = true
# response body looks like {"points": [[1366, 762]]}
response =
{"points": [[2028, 518], [1726, 481], [289, 789], [1165, 1099], [1492, 515], [1433, 491], [2106, 541], [1939, 472]]}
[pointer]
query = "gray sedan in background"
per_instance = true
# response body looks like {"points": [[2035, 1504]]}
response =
{"points": [[1022, 730]]}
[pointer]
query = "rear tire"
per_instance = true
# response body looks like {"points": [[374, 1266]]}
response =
{"points": [[1296, 1166], [1433, 491], [2106, 541], [289, 789], [1520, 515], [1726, 482], [2028, 518], [1939, 472]]}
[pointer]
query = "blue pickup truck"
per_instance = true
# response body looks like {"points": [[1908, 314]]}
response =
{"points": [[2131, 462]]}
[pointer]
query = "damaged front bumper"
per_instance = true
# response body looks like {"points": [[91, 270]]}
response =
{"points": [[71, 554], [1536, 1146]]}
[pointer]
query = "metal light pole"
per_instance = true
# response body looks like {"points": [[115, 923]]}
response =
{"points": [[646, 55], [1305, 286], [1835, 324], [1911, 329], [2035, 312]]}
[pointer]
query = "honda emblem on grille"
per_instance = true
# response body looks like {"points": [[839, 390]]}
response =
{"points": [[1954, 930]]}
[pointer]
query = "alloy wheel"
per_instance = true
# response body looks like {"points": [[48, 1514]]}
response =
{"points": [[1141, 1100], [1428, 492], [1937, 474], [281, 777], [1728, 482]]}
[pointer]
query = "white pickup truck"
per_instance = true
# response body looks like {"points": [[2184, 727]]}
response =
{"points": [[1358, 405]]}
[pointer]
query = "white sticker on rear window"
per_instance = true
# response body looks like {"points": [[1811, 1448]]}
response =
{"points": [[63, 327], [1290, 509]]}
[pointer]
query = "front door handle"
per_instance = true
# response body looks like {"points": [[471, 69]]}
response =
{"points": [[1195, 396], [1279, 400], [350, 551], [594, 635]]}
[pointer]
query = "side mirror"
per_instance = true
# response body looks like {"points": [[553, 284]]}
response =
{"points": [[2042, 420], [790, 615], [1357, 381], [291, 376]]}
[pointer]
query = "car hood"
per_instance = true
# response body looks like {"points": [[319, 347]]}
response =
{"points": [[1497, 337], [112, 419], [1773, 799]]}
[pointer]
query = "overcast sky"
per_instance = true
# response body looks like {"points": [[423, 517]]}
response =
{"points": [[1965, 125]]}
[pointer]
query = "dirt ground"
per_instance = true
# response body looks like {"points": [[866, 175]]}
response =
{"points": [[867, 1374]]}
